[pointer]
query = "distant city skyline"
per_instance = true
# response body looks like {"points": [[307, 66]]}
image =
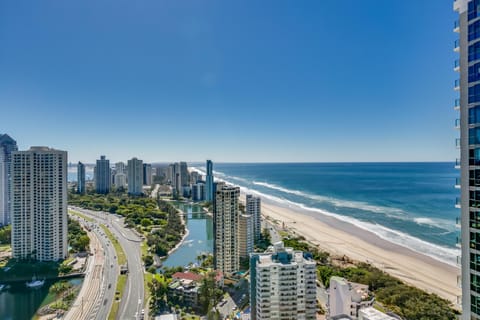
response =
{"points": [[233, 82]]}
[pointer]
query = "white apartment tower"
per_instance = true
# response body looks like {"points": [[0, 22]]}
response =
{"points": [[39, 204], [225, 223], [135, 176], [7, 146], [245, 235], [253, 207], [282, 284]]}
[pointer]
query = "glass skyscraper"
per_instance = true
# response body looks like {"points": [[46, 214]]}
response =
{"points": [[468, 104]]}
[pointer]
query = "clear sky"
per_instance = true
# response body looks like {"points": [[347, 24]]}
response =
{"points": [[242, 81]]}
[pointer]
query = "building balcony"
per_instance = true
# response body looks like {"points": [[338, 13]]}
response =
{"points": [[457, 163], [457, 183], [457, 203], [456, 106], [457, 123], [456, 45], [457, 143], [458, 243], [456, 65], [456, 26], [459, 261], [458, 221], [456, 85]]}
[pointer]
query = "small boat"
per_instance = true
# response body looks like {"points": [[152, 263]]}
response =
{"points": [[35, 283]]}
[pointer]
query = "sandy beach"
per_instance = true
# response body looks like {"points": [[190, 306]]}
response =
{"points": [[342, 238]]}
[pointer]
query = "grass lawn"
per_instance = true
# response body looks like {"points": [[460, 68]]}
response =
{"points": [[80, 215], [122, 280], [122, 259]]}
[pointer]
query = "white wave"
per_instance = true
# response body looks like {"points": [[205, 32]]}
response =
{"points": [[388, 211], [438, 223]]}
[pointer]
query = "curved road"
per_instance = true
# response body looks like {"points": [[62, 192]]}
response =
{"points": [[132, 301]]}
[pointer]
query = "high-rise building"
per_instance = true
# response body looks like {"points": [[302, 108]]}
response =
{"points": [[253, 207], [282, 284], [198, 191], [135, 176], [120, 167], [80, 178], [103, 178], [7, 146], [209, 192], [245, 235], [120, 180], [225, 223], [468, 103], [39, 204], [147, 174]]}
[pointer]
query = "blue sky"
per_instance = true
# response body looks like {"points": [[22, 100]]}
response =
{"points": [[230, 80]]}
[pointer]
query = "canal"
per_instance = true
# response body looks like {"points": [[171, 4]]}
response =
{"points": [[199, 239], [19, 302]]}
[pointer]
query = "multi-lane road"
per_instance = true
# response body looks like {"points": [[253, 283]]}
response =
{"points": [[96, 296], [132, 301]]}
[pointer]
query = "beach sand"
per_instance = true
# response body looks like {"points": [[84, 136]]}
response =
{"points": [[342, 238]]}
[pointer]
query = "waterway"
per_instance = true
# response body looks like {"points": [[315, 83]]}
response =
{"points": [[199, 239], [19, 302]]}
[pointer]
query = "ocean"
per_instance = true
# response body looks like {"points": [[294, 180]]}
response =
{"points": [[409, 204]]}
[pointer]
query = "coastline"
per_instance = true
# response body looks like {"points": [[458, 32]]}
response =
{"points": [[342, 238]]}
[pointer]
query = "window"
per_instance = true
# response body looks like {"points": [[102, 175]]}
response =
{"points": [[473, 9], [474, 31]]}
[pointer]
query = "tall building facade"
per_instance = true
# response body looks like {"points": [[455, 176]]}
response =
{"points": [[468, 103], [253, 207], [39, 204], [120, 167], [120, 180], [80, 178], [147, 174], [7, 146], [135, 176], [282, 284], [225, 223], [103, 179], [245, 235], [209, 192]]}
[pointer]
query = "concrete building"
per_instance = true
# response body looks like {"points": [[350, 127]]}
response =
{"points": [[468, 104], [39, 204], [120, 180], [147, 174], [7, 146], [371, 313], [80, 178], [195, 177], [253, 207], [103, 176], [245, 235], [225, 223], [198, 191], [209, 190], [347, 298], [135, 176], [282, 284], [120, 167]]}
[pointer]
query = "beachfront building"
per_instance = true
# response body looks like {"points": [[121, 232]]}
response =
{"points": [[7, 146], [103, 178], [282, 284], [80, 178], [135, 176], [209, 190], [347, 298], [225, 224], [147, 174], [198, 191], [253, 207], [179, 178], [39, 204], [468, 103], [371, 313], [245, 235], [120, 167]]}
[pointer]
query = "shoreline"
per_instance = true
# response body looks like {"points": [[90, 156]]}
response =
{"points": [[345, 239]]}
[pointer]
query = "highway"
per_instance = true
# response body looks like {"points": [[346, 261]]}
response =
{"points": [[96, 296], [132, 301]]}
